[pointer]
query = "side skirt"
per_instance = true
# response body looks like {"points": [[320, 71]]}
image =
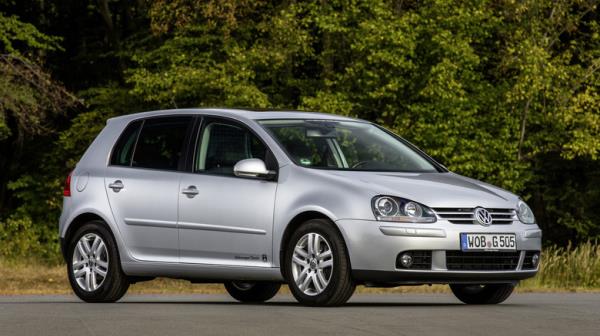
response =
{"points": [[201, 273]]}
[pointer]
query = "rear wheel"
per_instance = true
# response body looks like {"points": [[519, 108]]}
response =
{"points": [[252, 291], [483, 294], [317, 266], [93, 265]]}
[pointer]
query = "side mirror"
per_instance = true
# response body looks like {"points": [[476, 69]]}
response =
{"points": [[254, 168]]}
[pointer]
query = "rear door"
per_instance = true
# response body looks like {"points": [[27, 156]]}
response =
{"points": [[142, 184]]}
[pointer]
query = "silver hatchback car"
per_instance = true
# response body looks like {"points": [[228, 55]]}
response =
{"points": [[257, 199]]}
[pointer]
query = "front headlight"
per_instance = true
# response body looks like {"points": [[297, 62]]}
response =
{"points": [[524, 213], [396, 209]]}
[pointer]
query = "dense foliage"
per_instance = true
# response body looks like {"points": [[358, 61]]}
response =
{"points": [[504, 91]]}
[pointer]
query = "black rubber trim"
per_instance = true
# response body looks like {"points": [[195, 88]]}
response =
{"points": [[63, 248], [412, 277]]}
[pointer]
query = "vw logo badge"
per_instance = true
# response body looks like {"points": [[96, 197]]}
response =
{"points": [[483, 217]]}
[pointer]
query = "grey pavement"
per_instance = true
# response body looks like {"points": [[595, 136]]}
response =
{"points": [[398, 314]]}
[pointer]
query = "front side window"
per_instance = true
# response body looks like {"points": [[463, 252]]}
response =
{"points": [[221, 145], [345, 145], [161, 142]]}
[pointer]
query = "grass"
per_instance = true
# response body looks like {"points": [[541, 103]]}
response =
{"points": [[572, 268], [35, 279]]}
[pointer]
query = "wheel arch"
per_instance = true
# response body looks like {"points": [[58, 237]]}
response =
{"points": [[295, 223], [77, 223]]}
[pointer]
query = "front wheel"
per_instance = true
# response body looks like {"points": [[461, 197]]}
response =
{"points": [[317, 266], [252, 291], [482, 294], [93, 265]]}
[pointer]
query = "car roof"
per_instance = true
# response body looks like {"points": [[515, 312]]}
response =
{"points": [[247, 114]]}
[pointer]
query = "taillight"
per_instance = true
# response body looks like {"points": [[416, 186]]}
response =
{"points": [[67, 188]]}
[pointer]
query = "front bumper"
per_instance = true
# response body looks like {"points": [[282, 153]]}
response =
{"points": [[374, 246]]}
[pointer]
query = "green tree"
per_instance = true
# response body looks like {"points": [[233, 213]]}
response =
{"points": [[493, 89], [29, 99], [503, 91]]}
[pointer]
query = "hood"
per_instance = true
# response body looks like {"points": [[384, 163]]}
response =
{"points": [[435, 190]]}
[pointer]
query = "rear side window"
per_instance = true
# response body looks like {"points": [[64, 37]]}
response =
{"points": [[160, 143], [123, 151]]}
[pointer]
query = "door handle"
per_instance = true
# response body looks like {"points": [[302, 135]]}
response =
{"points": [[116, 186], [190, 191]]}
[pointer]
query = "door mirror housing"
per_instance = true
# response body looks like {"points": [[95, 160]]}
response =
{"points": [[253, 168]]}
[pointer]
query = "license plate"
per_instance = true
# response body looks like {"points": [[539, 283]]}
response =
{"points": [[488, 242]]}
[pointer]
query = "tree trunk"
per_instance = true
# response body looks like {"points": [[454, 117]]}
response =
{"points": [[523, 127], [108, 22]]}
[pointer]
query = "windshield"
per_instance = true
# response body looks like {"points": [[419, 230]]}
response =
{"points": [[345, 145]]}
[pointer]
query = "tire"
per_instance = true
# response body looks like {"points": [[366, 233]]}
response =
{"points": [[252, 291], [114, 284], [483, 294], [312, 271]]}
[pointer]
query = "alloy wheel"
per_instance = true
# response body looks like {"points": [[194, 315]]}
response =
{"points": [[312, 264], [90, 262]]}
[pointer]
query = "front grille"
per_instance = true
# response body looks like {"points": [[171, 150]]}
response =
{"points": [[527, 261], [482, 261], [421, 260], [467, 215]]}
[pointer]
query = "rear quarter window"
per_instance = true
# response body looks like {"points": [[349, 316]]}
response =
{"points": [[123, 150]]}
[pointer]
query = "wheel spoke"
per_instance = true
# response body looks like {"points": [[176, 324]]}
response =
{"points": [[102, 264], [78, 264], [301, 277], [316, 283], [100, 272], [99, 249], [326, 263], [324, 255], [86, 245], [95, 244], [88, 279], [310, 244], [321, 278], [82, 249], [317, 244], [298, 250], [306, 281], [79, 273], [299, 261], [93, 284]]}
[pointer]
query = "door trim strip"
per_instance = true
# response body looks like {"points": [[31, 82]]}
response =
{"points": [[150, 222], [221, 228]]}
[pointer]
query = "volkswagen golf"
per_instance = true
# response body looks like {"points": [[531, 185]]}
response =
{"points": [[254, 200]]}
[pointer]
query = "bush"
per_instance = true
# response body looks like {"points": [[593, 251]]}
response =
{"points": [[21, 239]]}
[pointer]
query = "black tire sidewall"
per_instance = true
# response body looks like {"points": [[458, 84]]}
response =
{"points": [[105, 288], [341, 261], [259, 292], [489, 294]]}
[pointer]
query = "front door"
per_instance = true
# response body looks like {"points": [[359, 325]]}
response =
{"points": [[142, 184], [224, 219]]}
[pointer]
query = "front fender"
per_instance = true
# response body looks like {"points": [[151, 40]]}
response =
{"points": [[301, 190]]}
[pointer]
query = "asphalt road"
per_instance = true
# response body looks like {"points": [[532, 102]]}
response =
{"points": [[415, 314]]}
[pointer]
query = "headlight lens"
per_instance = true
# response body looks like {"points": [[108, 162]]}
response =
{"points": [[396, 209], [412, 209], [386, 206], [525, 214]]}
